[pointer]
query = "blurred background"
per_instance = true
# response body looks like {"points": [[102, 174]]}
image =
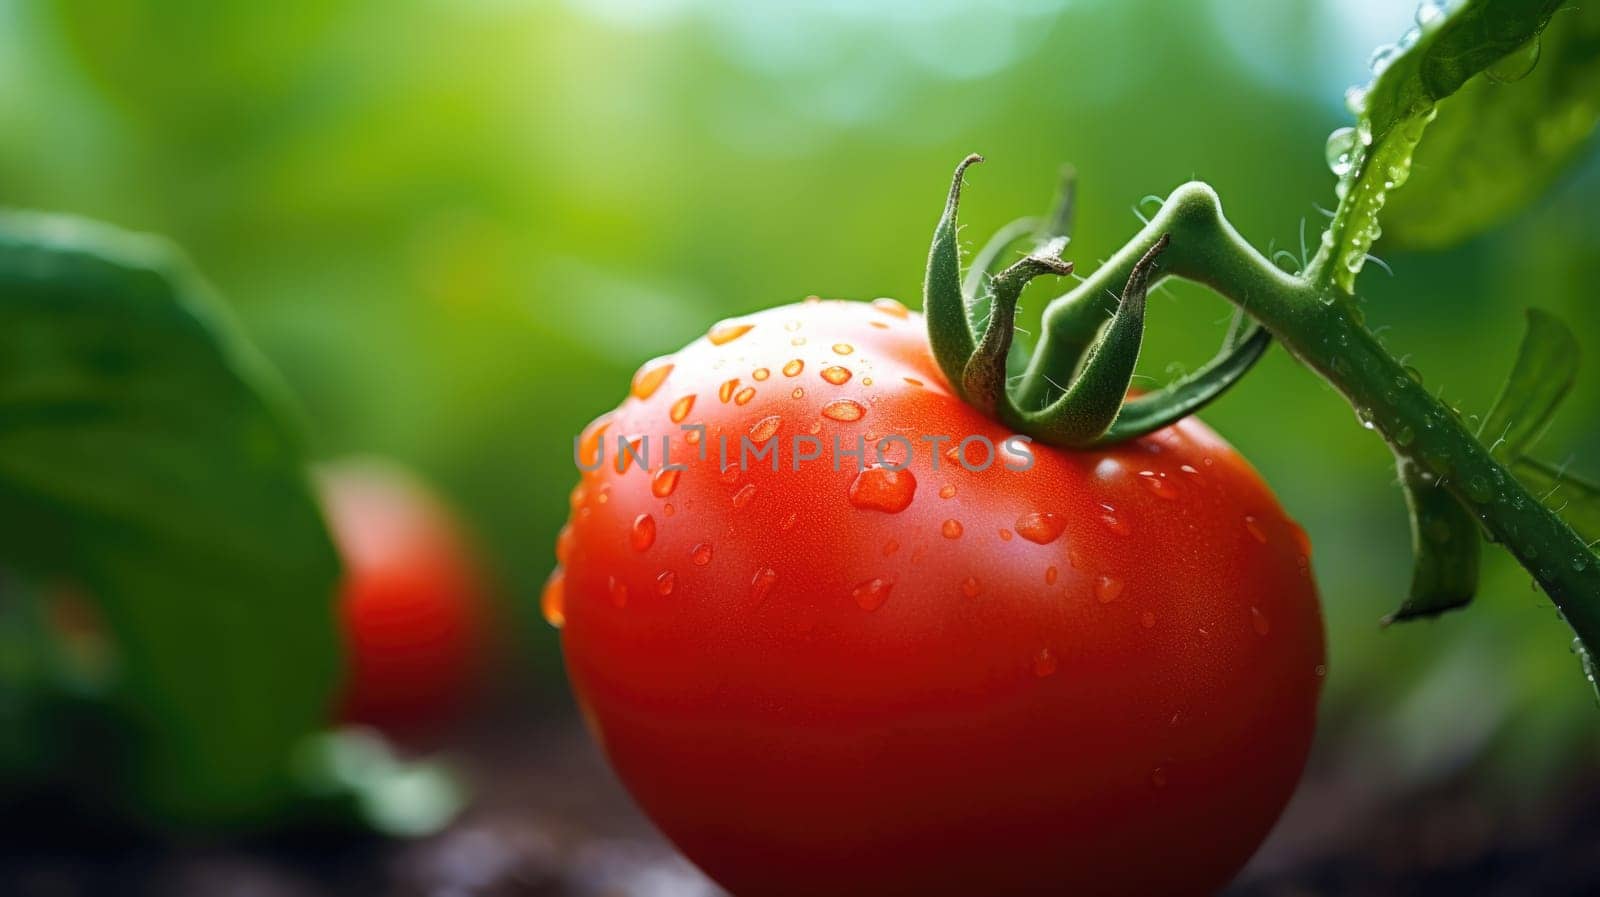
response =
{"points": [[457, 226]]}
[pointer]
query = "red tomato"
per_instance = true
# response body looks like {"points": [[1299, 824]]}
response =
{"points": [[413, 603], [1098, 676]]}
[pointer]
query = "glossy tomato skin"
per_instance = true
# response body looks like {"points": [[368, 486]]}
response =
{"points": [[1098, 676], [413, 605]]}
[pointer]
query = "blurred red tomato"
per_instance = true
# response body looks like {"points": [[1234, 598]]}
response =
{"points": [[414, 604]]}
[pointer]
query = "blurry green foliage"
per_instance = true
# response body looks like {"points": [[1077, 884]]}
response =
{"points": [[458, 227]]}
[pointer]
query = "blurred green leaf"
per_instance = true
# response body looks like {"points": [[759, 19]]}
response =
{"points": [[1544, 372], [1497, 145], [1576, 499], [356, 774], [1445, 548], [145, 455], [1375, 157]]}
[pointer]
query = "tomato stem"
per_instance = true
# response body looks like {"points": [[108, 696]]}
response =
{"points": [[1321, 326]]}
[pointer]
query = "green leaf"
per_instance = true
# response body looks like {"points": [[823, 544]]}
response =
{"points": [[1246, 342], [1446, 549], [1497, 144], [144, 454], [1577, 500], [1375, 157], [1543, 374]]}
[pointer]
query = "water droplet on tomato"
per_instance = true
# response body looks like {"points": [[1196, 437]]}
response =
{"points": [[725, 391], [799, 392], [1005, 534], [1253, 527], [1040, 527], [664, 481], [700, 554], [626, 457], [891, 307], [794, 367], [665, 580], [1189, 469], [1050, 575], [970, 587], [1045, 663], [743, 396], [589, 444], [867, 381], [643, 534], [1158, 484], [649, 378], [880, 488], [762, 583], [1107, 589], [1259, 622], [948, 490], [871, 594], [890, 547], [912, 380], [845, 410], [681, 408], [553, 601], [725, 332], [1113, 522], [1321, 670], [743, 495], [836, 375], [763, 429], [564, 544], [730, 474], [760, 374], [951, 529], [843, 348]]}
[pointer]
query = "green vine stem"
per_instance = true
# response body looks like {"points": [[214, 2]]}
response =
{"points": [[1320, 325]]}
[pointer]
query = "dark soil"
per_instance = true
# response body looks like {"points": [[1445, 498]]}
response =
{"points": [[550, 821]]}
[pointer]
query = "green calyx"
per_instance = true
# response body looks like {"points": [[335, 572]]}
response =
{"points": [[1075, 392]]}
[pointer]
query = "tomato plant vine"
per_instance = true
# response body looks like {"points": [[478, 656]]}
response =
{"points": [[1073, 390]]}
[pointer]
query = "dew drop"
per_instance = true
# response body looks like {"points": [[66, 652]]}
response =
{"points": [[665, 581], [1478, 489], [681, 409], [843, 348], [725, 391], [799, 392], [1404, 435], [1321, 670], [553, 601], [1253, 527], [1341, 151], [643, 534], [1040, 527], [1044, 663], [760, 374], [845, 410], [1259, 622], [743, 495], [1107, 589], [890, 547], [692, 437], [1050, 575], [835, 374], [867, 381], [948, 490], [649, 379], [1005, 535], [1113, 522], [794, 367], [762, 583], [1516, 65], [951, 529], [763, 429], [870, 595], [625, 458], [880, 488], [590, 444], [743, 396], [724, 333], [1158, 484], [700, 554], [564, 541], [664, 481], [891, 307], [970, 587], [912, 380]]}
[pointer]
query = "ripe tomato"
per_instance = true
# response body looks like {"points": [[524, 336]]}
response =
{"points": [[413, 603], [1096, 676]]}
